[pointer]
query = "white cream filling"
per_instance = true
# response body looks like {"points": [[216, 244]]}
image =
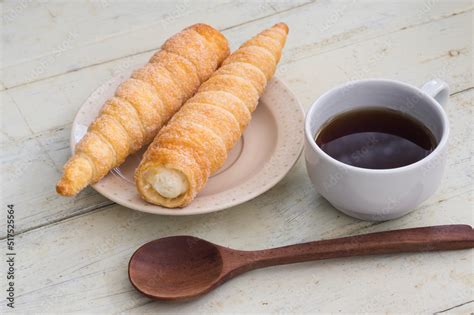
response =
{"points": [[168, 183]]}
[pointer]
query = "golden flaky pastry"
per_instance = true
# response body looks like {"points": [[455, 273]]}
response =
{"points": [[195, 142], [143, 104]]}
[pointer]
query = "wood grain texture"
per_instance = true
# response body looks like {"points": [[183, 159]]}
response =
{"points": [[76, 250], [48, 130], [124, 25]]}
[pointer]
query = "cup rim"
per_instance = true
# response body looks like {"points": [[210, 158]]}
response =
{"points": [[427, 159]]}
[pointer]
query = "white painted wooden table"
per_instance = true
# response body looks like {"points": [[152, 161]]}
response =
{"points": [[72, 254]]}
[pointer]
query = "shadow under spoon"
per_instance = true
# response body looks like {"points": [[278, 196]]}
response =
{"points": [[184, 267]]}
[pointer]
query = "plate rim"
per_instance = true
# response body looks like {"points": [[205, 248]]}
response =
{"points": [[159, 210]]}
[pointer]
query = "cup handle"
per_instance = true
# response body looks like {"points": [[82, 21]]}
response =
{"points": [[437, 89]]}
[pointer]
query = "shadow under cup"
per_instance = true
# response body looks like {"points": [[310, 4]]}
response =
{"points": [[376, 194]]}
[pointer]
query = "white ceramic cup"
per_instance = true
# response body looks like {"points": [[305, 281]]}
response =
{"points": [[378, 194]]}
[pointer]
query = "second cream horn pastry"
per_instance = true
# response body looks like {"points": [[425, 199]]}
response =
{"points": [[195, 143], [143, 104]]}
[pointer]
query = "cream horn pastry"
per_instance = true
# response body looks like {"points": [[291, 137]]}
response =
{"points": [[196, 141], [143, 104]]}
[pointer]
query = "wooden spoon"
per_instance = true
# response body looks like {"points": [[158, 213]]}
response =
{"points": [[183, 267]]}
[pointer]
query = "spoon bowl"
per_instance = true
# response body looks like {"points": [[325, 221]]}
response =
{"points": [[173, 266], [184, 267]]}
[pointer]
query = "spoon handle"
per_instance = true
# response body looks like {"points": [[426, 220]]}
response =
{"points": [[434, 238]]}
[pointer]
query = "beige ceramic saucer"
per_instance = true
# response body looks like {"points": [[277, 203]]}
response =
{"points": [[268, 149]]}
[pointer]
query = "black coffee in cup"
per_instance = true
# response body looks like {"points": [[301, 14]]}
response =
{"points": [[375, 138]]}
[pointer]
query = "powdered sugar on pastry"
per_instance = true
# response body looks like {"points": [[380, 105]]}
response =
{"points": [[197, 139]]}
